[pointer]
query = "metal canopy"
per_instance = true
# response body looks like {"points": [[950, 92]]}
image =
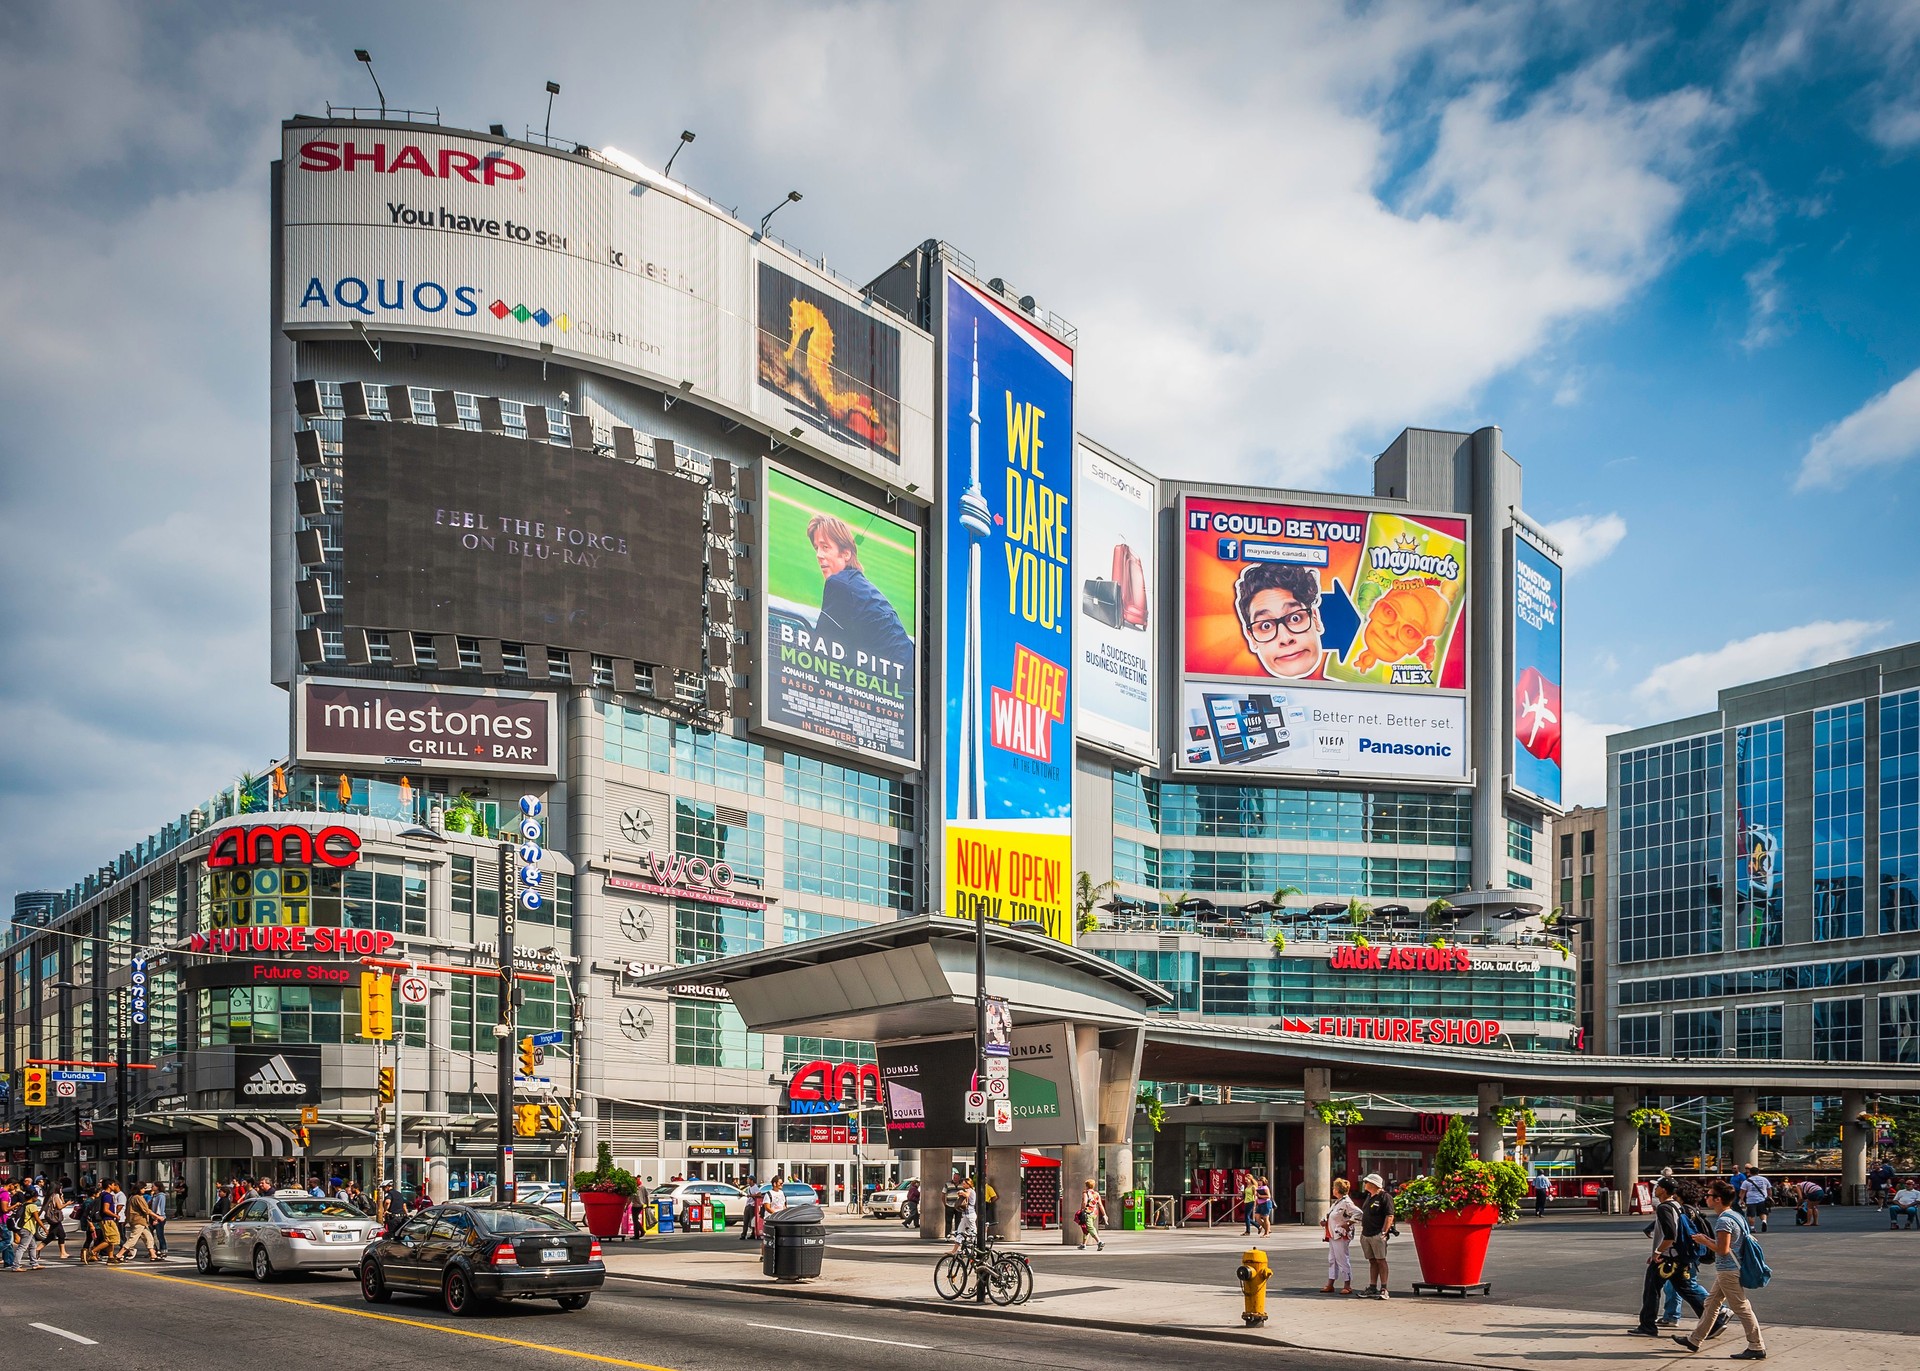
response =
{"points": [[1226, 1054], [915, 978]]}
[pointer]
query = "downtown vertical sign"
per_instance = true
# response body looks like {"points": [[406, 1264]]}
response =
{"points": [[1007, 612]]}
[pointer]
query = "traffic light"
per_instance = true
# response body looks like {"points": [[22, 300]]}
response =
{"points": [[376, 1005], [386, 1085], [526, 1120], [302, 1136], [528, 1057], [36, 1087], [556, 1118]]}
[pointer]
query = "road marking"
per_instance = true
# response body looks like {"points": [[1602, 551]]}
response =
{"points": [[63, 1333], [848, 1337], [391, 1318]]}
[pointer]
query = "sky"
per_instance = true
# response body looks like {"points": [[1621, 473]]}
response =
{"points": [[1667, 248]]}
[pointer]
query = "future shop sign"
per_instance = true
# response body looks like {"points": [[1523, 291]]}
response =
{"points": [[1434, 1032]]}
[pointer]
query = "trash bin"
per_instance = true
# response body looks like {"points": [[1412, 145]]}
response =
{"points": [[719, 1216], [650, 1218], [793, 1243], [1133, 1211], [666, 1214]]}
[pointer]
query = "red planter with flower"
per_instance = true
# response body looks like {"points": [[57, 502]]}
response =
{"points": [[1452, 1245], [1453, 1212], [605, 1193]]}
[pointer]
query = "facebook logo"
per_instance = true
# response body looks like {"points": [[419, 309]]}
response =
{"points": [[1229, 549]]}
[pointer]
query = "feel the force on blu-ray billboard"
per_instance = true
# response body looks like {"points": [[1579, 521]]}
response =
{"points": [[1007, 681], [1322, 640], [1536, 672], [414, 232], [839, 664]]}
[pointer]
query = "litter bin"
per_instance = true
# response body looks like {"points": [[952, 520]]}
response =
{"points": [[719, 1216], [793, 1242], [1133, 1211], [666, 1214]]}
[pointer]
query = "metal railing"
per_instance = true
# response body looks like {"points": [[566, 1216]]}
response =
{"points": [[375, 114]]}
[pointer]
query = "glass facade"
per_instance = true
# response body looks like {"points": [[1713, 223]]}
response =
{"points": [[1640, 1035], [1900, 812], [1771, 980], [1760, 817], [1670, 850], [1839, 821], [719, 835], [846, 866], [1757, 1031], [1697, 1033], [1286, 815], [713, 1035], [1839, 1030], [1900, 1028]]}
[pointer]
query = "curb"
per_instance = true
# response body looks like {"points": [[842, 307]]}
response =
{"points": [[1238, 1336]]}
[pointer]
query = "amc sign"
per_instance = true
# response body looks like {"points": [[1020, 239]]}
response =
{"points": [[283, 845], [824, 1087]]}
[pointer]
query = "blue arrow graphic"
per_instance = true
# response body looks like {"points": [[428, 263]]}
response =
{"points": [[1339, 620]]}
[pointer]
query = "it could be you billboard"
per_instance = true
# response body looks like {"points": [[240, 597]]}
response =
{"points": [[840, 661], [1008, 611]]}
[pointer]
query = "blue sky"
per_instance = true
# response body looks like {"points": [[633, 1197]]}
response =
{"points": [[1669, 249]]}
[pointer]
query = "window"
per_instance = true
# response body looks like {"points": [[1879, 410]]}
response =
{"points": [[1566, 853], [1839, 821], [1292, 816], [722, 834], [704, 932], [635, 738], [1586, 842], [845, 866], [1517, 881], [1696, 1033], [1839, 1030], [1900, 814], [1670, 852], [1759, 834], [513, 657], [1900, 1028], [1640, 1035], [713, 1035], [798, 925], [1136, 863], [559, 664], [474, 1008], [797, 1052], [1757, 1032], [719, 759], [827, 788], [602, 670], [469, 650], [1519, 840], [423, 649]]}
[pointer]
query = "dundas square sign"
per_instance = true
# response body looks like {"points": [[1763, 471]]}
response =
{"points": [[501, 731]]}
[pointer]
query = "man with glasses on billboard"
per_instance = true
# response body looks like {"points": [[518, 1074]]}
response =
{"points": [[1278, 605]]}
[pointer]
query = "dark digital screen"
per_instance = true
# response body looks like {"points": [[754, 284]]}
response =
{"points": [[923, 1091], [451, 531]]}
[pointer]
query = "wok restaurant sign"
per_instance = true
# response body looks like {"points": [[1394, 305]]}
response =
{"points": [[685, 878]]}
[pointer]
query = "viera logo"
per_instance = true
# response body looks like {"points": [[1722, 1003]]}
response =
{"points": [[274, 1077]]}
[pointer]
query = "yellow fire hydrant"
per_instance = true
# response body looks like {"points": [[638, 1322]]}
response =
{"points": [[1253, 1274]]}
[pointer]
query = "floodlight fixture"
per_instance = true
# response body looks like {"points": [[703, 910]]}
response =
{"points": [[365, 58], [793, 196], [686, 137]]}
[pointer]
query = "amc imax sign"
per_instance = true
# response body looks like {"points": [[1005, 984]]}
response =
{"points": [[426, 728]]}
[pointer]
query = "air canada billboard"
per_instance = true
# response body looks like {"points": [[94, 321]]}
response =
{"points": [[1536, 672], [1007, 679], [840, 655]]}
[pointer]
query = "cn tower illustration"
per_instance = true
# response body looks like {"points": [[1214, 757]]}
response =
{"points": [[977, 519]]}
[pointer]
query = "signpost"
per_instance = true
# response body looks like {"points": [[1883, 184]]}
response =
{"points": [[520, 887]]}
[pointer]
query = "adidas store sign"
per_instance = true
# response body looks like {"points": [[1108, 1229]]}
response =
{"points": [[286, 1074]]}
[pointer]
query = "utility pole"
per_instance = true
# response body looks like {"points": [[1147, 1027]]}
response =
{"points": [[379, 1116], [980, 1076], [120, 1081], [503, 1032]]}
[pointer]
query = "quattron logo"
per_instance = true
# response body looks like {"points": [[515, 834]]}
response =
{"points": [[500, 309]]}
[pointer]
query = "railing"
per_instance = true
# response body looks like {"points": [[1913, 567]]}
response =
{"points": [[404, 116]]}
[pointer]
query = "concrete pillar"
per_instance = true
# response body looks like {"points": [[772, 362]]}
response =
{"points": [[1082, 1160], [1316, 1151], [936, 1169], [1282, 1190], [1492, 1138], [1626, 1146], [1746, 1136], [1854, 1137], [1003, 1174], [1119, 1164], [1486, 585], [1076, 1164]]}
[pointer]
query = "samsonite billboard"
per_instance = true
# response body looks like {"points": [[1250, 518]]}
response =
{"points": [[1117, 566], [503, 246]]}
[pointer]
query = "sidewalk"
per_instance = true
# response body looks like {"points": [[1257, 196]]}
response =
{"points": [[868, 1267]]}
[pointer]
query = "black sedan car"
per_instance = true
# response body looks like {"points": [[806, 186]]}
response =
{"points": [[467, 1254]]}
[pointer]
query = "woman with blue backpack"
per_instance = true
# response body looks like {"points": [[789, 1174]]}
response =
{"points": [[1670, 1265], [1738, 1266]]}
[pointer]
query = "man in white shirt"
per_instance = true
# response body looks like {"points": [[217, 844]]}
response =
{"points": [[1906, 1200], [1757, 1191]]}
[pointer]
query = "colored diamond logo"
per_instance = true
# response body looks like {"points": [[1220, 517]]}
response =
{"points": [[522, 313], [498, 309], [564, 322], [542, 318]]}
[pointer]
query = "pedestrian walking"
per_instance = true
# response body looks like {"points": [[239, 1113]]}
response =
{"points": [[1757, 1193], [157, 1201], [9, 1228], [1670, 1264], [1880, 1179], [33, 1232], [103, 1229], [965, 1224], [1341, 1223], [951, 1198], [1729, 1236], [139, 1228], [1542, 1192], [56, 1215], [910, 1206], [1263, 1205], [1249, 1199], [1091, 1214], [1376, 1227]]}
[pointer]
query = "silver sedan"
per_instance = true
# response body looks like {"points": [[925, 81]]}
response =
{"points": [[271, 1234]]}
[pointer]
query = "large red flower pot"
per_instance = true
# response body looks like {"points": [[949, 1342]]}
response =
{"points": [[1452, 1246], [605, 1207]]}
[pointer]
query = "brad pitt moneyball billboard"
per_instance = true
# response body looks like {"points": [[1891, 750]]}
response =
{"points": [[453, 532]]}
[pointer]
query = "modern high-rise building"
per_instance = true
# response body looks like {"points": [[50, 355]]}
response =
{"points": [[1580, 893], [1763, 872]]}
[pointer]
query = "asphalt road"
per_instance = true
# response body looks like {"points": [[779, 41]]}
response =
{"points": [[170, 1319], [1850, 1272]]}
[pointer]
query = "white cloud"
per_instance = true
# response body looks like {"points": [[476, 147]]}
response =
{"points": [[1766, 299], [1884, 431], [1691, 684], [1586, 539], [1583, 755]]}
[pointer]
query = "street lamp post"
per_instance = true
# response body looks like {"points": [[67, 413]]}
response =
{"points": [[120, 1068]]}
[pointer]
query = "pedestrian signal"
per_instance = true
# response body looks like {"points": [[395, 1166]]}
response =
{"points": [[529, 1056], [376, 1005], [526, 1120], [302, 1137], [36, 1087], [1666, 1128], [556, 1118], [386, 1085]]}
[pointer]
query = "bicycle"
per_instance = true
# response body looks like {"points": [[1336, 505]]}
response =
{"points": [[1008, 1275]]}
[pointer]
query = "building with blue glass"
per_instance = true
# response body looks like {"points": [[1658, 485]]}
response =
{"points": [[1764, 872]]}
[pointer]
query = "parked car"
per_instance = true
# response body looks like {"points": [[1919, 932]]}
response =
{"points": [[272, 1234], [889, 1203], [467, 1254], [732, 1196], [559, 1199]]}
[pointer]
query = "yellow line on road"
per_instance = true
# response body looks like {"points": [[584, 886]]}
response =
{"points": [[392, 1318]]}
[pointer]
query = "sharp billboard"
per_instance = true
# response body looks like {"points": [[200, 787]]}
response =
{"points": [[1537, 661], [511, 247], [1117, 568], [840, 634], [1322, 640], [474, 534], [1007, 608]]}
